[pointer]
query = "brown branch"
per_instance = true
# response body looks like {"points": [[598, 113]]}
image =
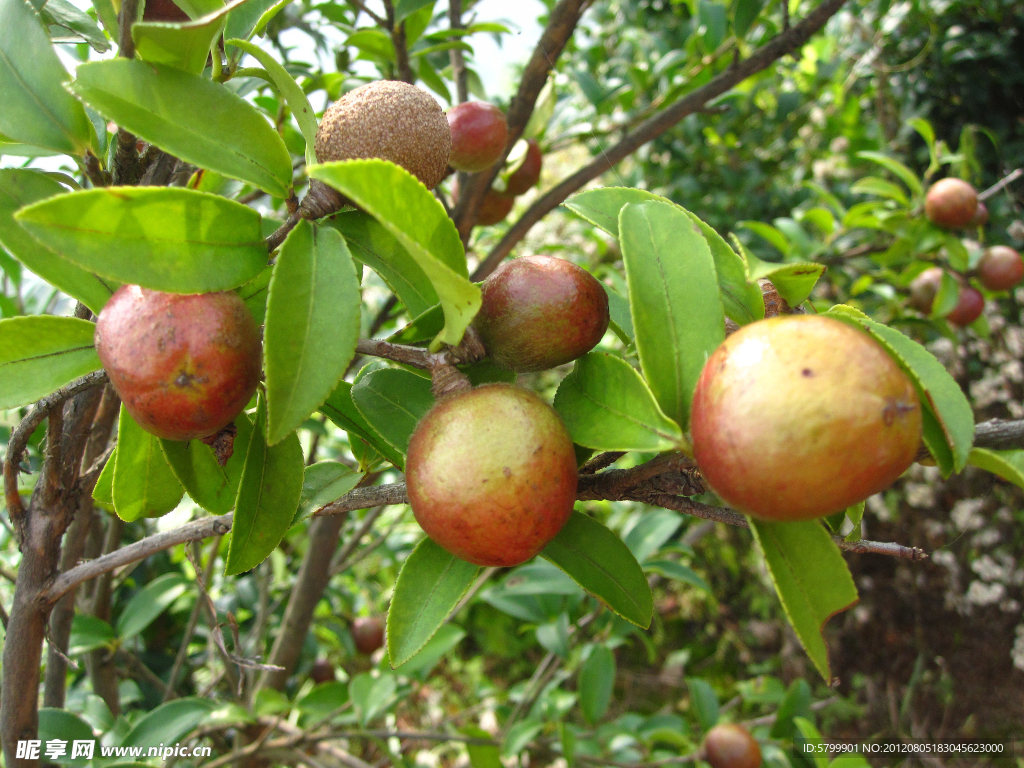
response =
{"points": [[193, 621], [1008, 179], [1000, 435], [279, 235], [125, 166], [761, 59], [455, 55]]}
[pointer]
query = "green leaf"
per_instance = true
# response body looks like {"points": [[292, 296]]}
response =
{"points": [[1009, 465], [797, 703], [417, 219], [651, 532], [943, 400], [704, 701], [810, 577], [374, 245], [372, 696], [430, 585], [794, 280], [437, 647], [745, 13], [170, 723], [254, 294], [207, 483], [103, 491], [482, 755], [673, 294], [191, 117], [598, 561], [143, 485], [872, 185], [597, 678], [392, 401], [323, 700], [292, 92], [518, 737], [20, 187], [89, 633], [268, 495], [341, 410], [185, 46], [37, 110], [174, 240], [606, 405], [63, 14], [896, 168], [65, 726], [947, 297], [148, 603], [324, 482], [312, 325], [40, 354], [673, 570]]}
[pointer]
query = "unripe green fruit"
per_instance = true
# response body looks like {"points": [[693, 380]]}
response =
{"points": [[526, 176], [491, 474], [538, 312], [731, 746], [968, 307], [801, 416], [924, 288], [368, 633], [184, 365], [951, 203], [1001, 268], [479, 134]]}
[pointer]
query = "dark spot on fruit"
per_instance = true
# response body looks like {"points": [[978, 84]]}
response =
{"points": [[184, 379], [506, 472], [807, 372]]}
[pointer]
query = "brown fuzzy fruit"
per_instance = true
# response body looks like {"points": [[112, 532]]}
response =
{"points": [[968, 307], [368, 633], [183, 365], [479, 135], [1001, 268], [800, 416], [391, 120], [924, 288], [951, 203], [322, 672], [491, 474], [494, 208], [731, 746], [526, 176], [538, 312]]}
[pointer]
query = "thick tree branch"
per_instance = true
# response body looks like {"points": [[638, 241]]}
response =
{"points": [[1000, 435], [761, 59], [455, 55]]}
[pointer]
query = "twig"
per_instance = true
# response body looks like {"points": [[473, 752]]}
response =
{"points": [[1000, 435], [1009, 178], [193, 620], [279, 235], [340, 561], [455, 55]]}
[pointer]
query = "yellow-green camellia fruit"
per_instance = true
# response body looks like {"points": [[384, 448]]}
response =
{"points": [[800, 416]]}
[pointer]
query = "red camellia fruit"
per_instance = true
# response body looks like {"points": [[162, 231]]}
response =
{"points": [[799, 416], [980, 216], [538, 312], [924, 288], [322, 672], [731, 746], [368, 633], [183, 365], [1001, 268], [951, 203], [527, 174], [163, 10], [494, 208], [968, 308], [491, 474], [479, 136]]}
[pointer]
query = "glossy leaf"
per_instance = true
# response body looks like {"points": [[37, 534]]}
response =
{"points": [[596, 681], [103, 491], [148, 603], [810, 577], [290, 90], [143, 484], [794, 280], [673, 294], [174, 240], [40, 354], [341, 410], [374, 245], [417, 219], [268, 495], [393, 401], [191, 117], [254, 294], [207, 483], [943, 400], [430, 585], [606, 405], [598, 561], [324, 482], [312, 325], [1009, 465], [20, 187], [185, 45], [37, 110], [64, 15], [65, 726]]}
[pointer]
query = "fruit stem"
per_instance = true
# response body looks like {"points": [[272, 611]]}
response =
{"points": [[446, 380]]}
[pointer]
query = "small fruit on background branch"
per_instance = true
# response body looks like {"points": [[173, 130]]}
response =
{"points": [[924, 288], [368, 633], [322, 672], [183, 365], [479, 133], [731, 746], [526, 176], [969, 306], [494, 208], [491, 474], [539, 312], [1001, 268], [800, 416], [951, 203]]}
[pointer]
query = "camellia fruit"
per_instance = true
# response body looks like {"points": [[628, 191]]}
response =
{"points": [[1001, 268], [800, 416], [969, 307], [951, 203], [538, 312], [491, 474], [924, 288], [479, 135], [731, 746], [494, 208], [368, 633], [322, 672], [526, 176], [184, 365]]}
